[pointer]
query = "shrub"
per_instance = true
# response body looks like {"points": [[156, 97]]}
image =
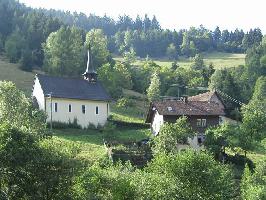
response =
{"points": [[63, 125], [124, 102]]}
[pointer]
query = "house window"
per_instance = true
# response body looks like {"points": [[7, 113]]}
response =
{"points": [[55, 107], [201, 122], [97, 110], [198, 122], [69, 108], [83, 109]]}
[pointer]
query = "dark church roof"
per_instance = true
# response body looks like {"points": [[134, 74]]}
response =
{"points": [[72, 88]]}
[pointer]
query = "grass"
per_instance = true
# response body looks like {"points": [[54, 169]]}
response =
{"points": [[90, 142], [218, 59], [133, 113], [11, 72]]}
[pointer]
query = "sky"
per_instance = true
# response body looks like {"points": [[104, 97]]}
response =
{"points": [[172, 14]]}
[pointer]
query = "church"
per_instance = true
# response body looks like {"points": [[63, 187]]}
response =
{"points": [[68, 99]]}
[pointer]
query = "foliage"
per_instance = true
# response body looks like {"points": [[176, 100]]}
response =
{"points": [[114, 78], [224, 81], [216, 139], [13, 46], [33, 169], [62, 125], [253, 185], [153, 92], [172, 134], [63, 50], [98, 183], [124, 102], [260, 89], [99, 51], [254, 122], [171, 52], [197, 175], [17, 110], [26, 60], [130, 56]]}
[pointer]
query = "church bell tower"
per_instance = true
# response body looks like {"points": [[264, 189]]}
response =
{"points": [[90, 74]]}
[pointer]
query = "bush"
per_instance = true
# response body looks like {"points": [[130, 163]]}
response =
{"points": [[124, 102], [123, 124], [63, 125]]}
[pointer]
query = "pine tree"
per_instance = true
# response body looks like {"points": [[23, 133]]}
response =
{"points": [[153, 91]]}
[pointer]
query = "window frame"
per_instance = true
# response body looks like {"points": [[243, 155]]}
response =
{"points": [[83, 109], [203, 122], [97, 110], [198, 122], [55, 107]]}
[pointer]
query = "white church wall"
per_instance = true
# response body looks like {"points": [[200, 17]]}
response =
{"points": [[90, 116], [38, 94], [157, 123]]}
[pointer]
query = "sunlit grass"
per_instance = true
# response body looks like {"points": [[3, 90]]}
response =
{"points": [[218, 59]]}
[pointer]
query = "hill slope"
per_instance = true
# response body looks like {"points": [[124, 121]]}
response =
{"points": [[218, 59], [11, 72]]}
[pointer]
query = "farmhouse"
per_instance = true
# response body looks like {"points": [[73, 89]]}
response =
{"points": [[68, 99], [202, 111]]}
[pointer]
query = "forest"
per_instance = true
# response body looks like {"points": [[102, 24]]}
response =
{"points": [[71, 163]]}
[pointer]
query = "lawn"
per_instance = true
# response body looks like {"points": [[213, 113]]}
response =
{"points": [[90, 142], [11, 72], [218, 59]]}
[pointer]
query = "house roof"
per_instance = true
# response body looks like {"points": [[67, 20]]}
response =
{"points": [[207, 96], [189, 108], [72, 88]]}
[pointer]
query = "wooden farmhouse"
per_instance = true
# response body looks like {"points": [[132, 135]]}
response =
{"points": [[68, 99], [203, 111]]}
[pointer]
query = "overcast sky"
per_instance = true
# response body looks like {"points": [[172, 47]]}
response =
{"points": [[172, 14]]}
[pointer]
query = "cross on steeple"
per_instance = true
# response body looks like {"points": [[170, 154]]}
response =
{"points": [[90, 74]]}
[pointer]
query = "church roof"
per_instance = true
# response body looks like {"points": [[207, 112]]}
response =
{"points": [[72, 88]]}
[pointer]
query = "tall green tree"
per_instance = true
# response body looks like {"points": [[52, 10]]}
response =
{"points": [[171, 52], [99, 51], [153, 91], [63, 51], [14, 45], [253, 185]]}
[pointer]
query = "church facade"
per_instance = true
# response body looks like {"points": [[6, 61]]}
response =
{"points": [[69, 99]]}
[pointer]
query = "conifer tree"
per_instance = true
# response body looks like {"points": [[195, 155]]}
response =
{"points": [[153, 90]]}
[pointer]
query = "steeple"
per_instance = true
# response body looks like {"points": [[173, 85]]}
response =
{"points": [[90, 74]]}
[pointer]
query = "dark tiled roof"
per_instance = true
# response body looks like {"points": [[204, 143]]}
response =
{"points": [[72, 88], [211, 96], [189, 108], [170, 107]]}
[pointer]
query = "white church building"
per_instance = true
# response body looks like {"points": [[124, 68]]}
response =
{"points": [[66, 99]]}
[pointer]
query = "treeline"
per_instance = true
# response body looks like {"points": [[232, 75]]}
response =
{"points": [[146, 36], [23, 30]]}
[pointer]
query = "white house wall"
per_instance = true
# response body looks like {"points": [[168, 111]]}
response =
{"points": [[90, 116], [38, 94], [157, 122]]}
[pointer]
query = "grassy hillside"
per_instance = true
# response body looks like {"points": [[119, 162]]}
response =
{"points": [[218, 59], [11, 72], [90, 142]]}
